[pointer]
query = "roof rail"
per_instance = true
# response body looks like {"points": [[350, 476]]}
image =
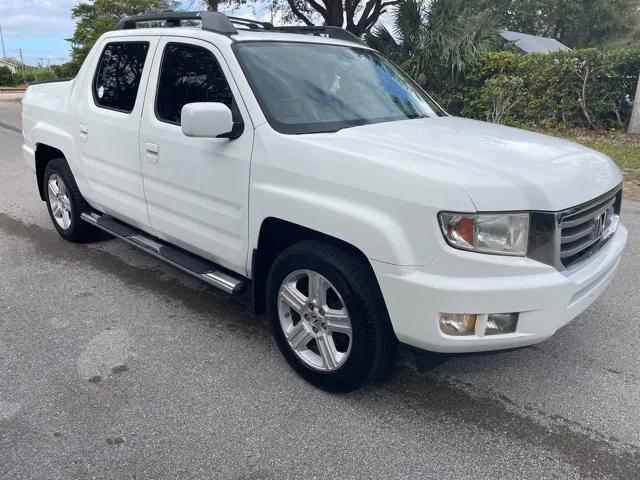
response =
{"points": [[226, 25], [331, 32], [213, 21], [251, 24]]}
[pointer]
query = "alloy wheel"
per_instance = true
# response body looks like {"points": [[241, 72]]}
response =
{"points": [[59, 201], [315, 320]]}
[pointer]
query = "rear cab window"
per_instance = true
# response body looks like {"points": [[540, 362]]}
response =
{"points": [[117, 78]]}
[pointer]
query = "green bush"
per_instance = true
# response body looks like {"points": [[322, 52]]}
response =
{"points": [[576, 87], [6, 77]]}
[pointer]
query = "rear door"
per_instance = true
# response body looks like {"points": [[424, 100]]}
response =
{"points": [[196, 188], [109, 111]]}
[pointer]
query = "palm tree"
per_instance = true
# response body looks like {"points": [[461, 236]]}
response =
{"points": [[436, 41]]}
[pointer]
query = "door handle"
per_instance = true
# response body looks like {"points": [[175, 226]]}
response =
{"points": [[151, 152], [152, 148], [84, 132]]}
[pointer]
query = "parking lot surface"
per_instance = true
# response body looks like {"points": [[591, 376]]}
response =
{"points": [[113, 365]]}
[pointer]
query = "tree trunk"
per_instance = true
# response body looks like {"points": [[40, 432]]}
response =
{"points": [[634, 123], [213, 5]]}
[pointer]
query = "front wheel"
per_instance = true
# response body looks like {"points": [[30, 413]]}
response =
{"points": [[65, 203], [328, 317]]}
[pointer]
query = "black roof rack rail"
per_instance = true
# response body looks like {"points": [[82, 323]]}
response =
{"points": [[221, 23], [213, 21], [331, 32], [251, 24]]}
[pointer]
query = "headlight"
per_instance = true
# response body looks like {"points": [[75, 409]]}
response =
{"points": [[497, 233]]}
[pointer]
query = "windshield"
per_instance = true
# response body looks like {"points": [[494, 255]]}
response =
{"points": [[310, 87]]}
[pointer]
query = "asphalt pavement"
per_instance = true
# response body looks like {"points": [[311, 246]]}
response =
{"points": [[114, 365]]}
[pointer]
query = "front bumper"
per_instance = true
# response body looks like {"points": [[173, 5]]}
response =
{"points": [[546, 298]]}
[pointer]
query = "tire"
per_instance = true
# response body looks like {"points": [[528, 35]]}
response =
{"points": [[317, 342], [65, 203]]}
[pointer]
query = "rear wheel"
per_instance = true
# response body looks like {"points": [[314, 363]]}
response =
{"points": [[328, 317], [65, 203]]}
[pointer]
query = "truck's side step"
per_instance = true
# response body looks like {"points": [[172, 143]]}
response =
{"points": [[192, 264]]}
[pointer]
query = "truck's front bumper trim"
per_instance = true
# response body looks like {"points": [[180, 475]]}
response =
{"points": [[545, 301]]}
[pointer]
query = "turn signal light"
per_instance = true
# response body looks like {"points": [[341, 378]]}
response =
{"points": [[458, 323]]}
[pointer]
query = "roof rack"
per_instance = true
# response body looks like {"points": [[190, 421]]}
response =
{"points": [[226, 25], [213, 21]]}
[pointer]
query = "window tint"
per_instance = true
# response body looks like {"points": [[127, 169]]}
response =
{"points": [[190, 74], [118, 76]]}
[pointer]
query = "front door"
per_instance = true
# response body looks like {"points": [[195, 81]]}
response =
{"points": [[196, 188]]}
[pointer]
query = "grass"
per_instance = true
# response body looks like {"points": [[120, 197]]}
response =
{"points": [[624, 149]]}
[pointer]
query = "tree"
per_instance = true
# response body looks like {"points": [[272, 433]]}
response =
{"points": [[576, 23], [6, 77], [634, 123], [212, 5], [357, 16], [94, 19], [436, 41]]}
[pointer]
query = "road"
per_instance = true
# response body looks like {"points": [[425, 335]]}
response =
{"points": [[113, 365]]}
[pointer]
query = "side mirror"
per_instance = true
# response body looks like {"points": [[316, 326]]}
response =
{"points": [[206, 120]]}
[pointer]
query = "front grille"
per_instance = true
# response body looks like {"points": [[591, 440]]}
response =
{"points": [[585, 228]]}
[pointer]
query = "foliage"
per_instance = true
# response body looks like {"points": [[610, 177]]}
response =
{"points": [[6, 77], [28, 74], [95, 18], [357, 16], [591, 87], [576, 23], [501, 95], [436, 42]]}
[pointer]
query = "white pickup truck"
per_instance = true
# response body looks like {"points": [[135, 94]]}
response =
{"points": [[300, 165]]}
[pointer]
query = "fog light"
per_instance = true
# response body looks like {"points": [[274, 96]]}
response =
{"points": [[499, 323], [458, 323]]}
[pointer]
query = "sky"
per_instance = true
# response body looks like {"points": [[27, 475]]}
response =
{"points": [[40, 28]]}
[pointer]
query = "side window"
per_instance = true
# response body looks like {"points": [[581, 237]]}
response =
{"points": [[190, 74], [115, 85]]}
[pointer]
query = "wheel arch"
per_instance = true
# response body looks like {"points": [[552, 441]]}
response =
{"points": [[44, 154], [275, 236]]}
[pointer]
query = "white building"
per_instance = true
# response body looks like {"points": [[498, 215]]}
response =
{"points": [[6, 63]]}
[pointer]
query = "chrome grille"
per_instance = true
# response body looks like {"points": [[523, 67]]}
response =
{"points": [[583, 229]]}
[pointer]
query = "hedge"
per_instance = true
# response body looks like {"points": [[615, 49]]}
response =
{"points": [[591, 87]]}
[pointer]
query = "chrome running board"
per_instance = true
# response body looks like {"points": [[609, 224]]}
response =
{"points": [[194, 265]]}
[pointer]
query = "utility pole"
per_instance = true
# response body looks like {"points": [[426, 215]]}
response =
{"points": [[21, 64], [4, 55], [634, 123]]}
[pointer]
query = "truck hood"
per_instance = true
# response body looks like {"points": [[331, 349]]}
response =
{"points": [[500, 168]]}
